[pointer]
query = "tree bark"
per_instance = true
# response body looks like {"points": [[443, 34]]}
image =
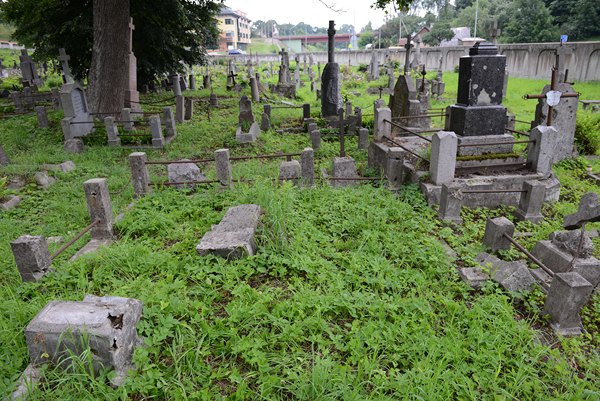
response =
{"points": [[109, 72]]}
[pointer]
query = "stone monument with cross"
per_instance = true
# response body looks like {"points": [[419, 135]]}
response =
{"points": [[285, 87], [557, 107], [407, 46], [132, 96], [64, 63], [331, 91], [29, 70]]}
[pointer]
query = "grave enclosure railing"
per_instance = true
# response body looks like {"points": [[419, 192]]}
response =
{"points": [[301, 172]]}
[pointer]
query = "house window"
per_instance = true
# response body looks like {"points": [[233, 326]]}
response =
{"points": [[228, 21]]}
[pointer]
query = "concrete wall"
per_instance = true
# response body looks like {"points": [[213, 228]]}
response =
{"points": [[529, 60]]}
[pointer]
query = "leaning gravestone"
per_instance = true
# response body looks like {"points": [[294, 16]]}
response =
{"points": [[29, 70], [77, 122], [564, 118]]}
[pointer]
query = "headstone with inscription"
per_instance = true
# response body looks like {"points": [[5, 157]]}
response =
{"points": [[132, 96], [77, 122]]}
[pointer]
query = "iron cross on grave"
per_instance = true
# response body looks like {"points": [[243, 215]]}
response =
{"points": [[553, 96]]}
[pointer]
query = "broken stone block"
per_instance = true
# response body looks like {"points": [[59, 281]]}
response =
{"points": [[65, 167], [184, 172], [344, 167], [473, 276], [247, 137], [290, 171], [559, 261], [74, 145], [10, 202], [570, 241], [43, 179], [568, 293], [233, 237], [104, 324], [31, 256], [512, 276]]}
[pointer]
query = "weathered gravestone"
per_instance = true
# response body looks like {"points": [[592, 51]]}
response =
{"points": [[77, 122], [29, 70], [331, 95]]}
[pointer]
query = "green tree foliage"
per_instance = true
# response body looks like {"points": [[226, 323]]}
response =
{"points": [[440, 31], [366, 38], [166, 31], [530, 22], [580, 19]]}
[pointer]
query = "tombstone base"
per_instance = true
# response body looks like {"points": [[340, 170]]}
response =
{"points": [[476, 120]]}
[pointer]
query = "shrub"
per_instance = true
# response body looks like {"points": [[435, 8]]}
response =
{"points": [[587, 133]]}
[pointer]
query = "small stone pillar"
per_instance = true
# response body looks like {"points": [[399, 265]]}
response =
{"points": [[307, 162], [442, 164], [265, 122], [568, 293], [305, 111], [315, 139], [192, 82], [254, 90], [179, 109], [31, 256], [112, 132], [158, 140], [395, 168], [363, 138], [531, 201], [98, 202], [450, 203], [206, 81], [494, 233], [170, 128], [382, 128], [127, 119], [42, 117], [176, 84], [189, 108], [223, 167], [542, 151], [139, 174], [267, 110]]}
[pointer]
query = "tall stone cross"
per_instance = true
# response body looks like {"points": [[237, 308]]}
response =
{"points": [[64, 62], [331, 42], [553, 97], [561, 53], [407, 46], [494, 31], [131, 29]]}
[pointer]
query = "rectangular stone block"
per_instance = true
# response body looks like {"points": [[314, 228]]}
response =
{"points": [[477, 120], [343, 167], [450, 203], [442, 163], [233, 237], [542, 153], [104, 324], [485, 148], [568, 293], [31, 256], [531, 202], [495, 231], [290, 170], [99, 207]]}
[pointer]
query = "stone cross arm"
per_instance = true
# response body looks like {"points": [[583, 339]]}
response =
{"points": [[589, 211]]}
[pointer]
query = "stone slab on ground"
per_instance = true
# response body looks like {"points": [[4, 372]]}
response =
{"points": [[512, 276], [473, 276], [43, 179], [64, 167], [233, 237], [90, 247], [560, 261], [10, 202]]}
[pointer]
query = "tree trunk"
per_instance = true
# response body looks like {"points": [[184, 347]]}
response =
{"points": [[109, 72]]}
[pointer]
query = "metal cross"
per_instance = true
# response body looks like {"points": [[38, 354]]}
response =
{"points": [[553, 82], [232, 75], [423, 74]]}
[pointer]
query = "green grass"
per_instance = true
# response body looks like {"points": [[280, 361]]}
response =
{"points": [[351, 295], [6, 32], [260, 46]]}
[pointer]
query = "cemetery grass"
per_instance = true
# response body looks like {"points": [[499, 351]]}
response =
{"points": [[351, 294]]}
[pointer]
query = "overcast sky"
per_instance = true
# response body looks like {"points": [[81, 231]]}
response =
{"points": [[312, 12]]}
